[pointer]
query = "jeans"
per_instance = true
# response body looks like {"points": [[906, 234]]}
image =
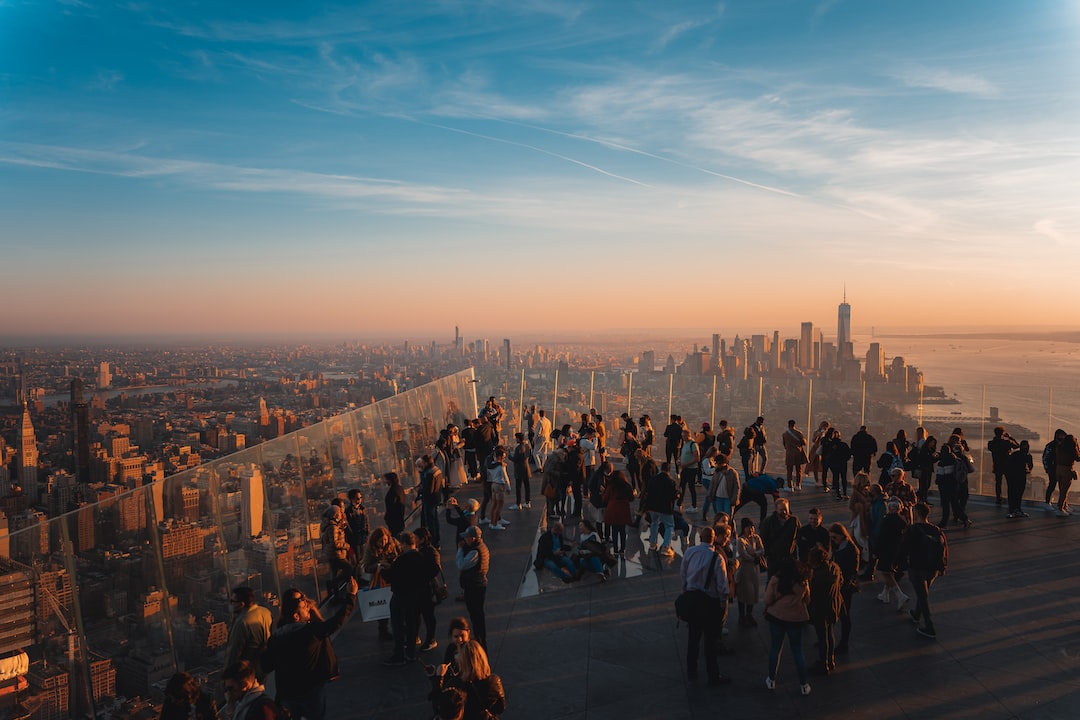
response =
{"points": [[921, 582], [792, 632], [474, 603], [950, 501], [405, 621], [688, 477], [591, 563], [561, 567], [826, 643], [429, 518], [521, 482], [618, 537], [655, 518]]}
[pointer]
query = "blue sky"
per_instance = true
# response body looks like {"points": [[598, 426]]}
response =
{"points": [[536, 165]]}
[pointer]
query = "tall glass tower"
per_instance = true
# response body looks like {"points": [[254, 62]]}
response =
{"points": [[843, 330]]}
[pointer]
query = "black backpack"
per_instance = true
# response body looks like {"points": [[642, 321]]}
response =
{"points": [[934, 550]]}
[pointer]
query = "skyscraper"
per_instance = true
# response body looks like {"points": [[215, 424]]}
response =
{"points": [[28, 457], [844, 351], [506, 352], [254, 506], [80, 430], [104, 376], [806, 346]]}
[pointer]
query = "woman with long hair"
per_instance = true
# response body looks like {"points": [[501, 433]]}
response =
{"points": [[847, 555], [617, 511], [484, 695], [787, 597]]}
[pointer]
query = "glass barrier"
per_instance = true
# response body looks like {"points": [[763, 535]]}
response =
{"points": [[1028, 413], [115, 596]]}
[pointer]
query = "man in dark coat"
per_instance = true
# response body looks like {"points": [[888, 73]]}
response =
{"points": [[300, 654]]}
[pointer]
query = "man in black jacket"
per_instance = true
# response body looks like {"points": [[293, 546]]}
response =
{"points": [[778, 533], [659, 502], [300, 654], [924, 553], [410, 578], [863, 449]]}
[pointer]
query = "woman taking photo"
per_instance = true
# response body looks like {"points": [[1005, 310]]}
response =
{"points": [[484, 695]]}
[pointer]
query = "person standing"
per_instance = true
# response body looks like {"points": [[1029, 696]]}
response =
{"points": [[924, 552], [429, 495], [617, 495], [250, 630], [394, 504], [472, 563], [760, 440], [787, 597], [359, 527], [751, 555], [1001, 446], [543, 440], [659, 502], [333, 534], [437, 590], [863, 449], [826, 602], [846, 555], [811, 535], [410, 578], [522, 472], [794, 455], [1066, 453], [778, 534], [1017, 467], [301, 655], [1049, 454], [949, 487], [690, 468], [672, 440], [704, 571], [497, 484]]}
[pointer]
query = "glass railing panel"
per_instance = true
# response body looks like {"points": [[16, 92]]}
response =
{"points": [[140, 614], [286, 525]]}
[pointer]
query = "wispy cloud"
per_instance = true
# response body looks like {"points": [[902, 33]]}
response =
{"points": [[105, 80], [948, 81]]}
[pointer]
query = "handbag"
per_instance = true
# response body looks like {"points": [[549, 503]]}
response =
{"points": [[374, 602], [439, 591]]}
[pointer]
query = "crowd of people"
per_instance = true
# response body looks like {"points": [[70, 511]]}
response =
{"points": [[811, 571]]}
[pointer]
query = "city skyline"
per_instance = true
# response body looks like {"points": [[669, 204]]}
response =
{"points": [[345, 170]]}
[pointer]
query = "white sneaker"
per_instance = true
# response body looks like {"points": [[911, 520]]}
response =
{"points": [[485, 521], [805, 688], [770, 683], [1051, 506], [502, 523], [513, 507], [884, 595], [528, 506], [693, 509], [901, 601], [725, 631]]}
